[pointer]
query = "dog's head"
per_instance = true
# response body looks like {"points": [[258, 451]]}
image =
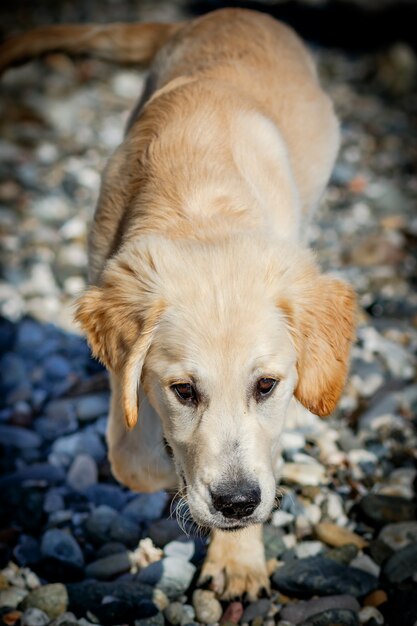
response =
{"points": [[222, 336]]}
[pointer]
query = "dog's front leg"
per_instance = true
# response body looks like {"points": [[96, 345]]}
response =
{"points": [[138, 457], [235, 563]]}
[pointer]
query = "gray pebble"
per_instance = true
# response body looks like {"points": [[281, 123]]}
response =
{"points": [[83, 473], [301, 611], [34, 617], [62, 547]]}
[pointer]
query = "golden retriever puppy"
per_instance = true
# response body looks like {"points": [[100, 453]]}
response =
{"points": [[204, 304]]}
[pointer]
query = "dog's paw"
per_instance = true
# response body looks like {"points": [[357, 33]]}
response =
{"points": [[232, 576]]}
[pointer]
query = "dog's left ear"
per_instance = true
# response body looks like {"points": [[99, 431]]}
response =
{"points": [[120, 328], [322, 320]]}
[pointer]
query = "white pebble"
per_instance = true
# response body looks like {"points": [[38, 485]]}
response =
{"points": [[368, 613], [281, 518]]}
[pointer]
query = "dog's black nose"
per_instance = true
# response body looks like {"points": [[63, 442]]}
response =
{"points": [[241, 501]]}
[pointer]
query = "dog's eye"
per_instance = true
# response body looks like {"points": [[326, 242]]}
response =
{"points": [[265, 386], [185, 391]]}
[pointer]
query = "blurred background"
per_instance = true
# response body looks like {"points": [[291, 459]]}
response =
{"points": [[60, 119]]}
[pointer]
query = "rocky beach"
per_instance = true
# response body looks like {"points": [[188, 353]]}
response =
{"points": [[78, 549]]}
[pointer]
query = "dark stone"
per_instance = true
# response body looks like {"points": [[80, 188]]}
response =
{"points": [[333, 617], [256, 609], [7, 334], [41, 472], [53, 502], [273, 541], [98, 524], [146, 507], [20, 438], [299, 612], [344, 554], [56, 367], [107, 549], [27, 552], [110, 495], [117, 602], [51, 428], [109, 567], [156, 620], [321, 576], [379, 551], [163, 531], [23, 505], [379, 510], [402, 564], [62, 556], [124, 530]]}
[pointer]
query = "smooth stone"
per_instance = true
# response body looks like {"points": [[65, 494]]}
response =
{"points": [[90, 407], [333, 617], [178, 613], [18, 437], [124, 530], [83, 473], [12, 597], [51, 599], [337, 536], [376, 598], [174, 613], [207, 608], [51, 428], [39, 472], [110, 548], [281, 518], [116, 602], [300, 611], [99, 522], [34, 617], [109, 567], [173, 576], [54, 501], [27, 551], [292, 440], [379, 510], [163, 531], [304, 474], [322, 576], [256, 609], [308, 548], [366, 564], [369, 613], [232, 614], [155, 620], [146, 507], [273, 541], [180, 549], [63, 549], [380, 551], [109, 495], [402, 564], [397, 536], [64, 619]]}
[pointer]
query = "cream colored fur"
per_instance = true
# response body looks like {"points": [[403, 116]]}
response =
{"points": [[198, 267]]}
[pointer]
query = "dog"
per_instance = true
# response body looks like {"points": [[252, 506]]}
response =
{"points": [[204, 303]]}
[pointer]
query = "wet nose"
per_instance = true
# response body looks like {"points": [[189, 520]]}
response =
{"points": [[237, 502]]}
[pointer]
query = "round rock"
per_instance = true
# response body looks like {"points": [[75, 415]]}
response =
{"points": [[207, 608], [51, 599], [34, 617]]}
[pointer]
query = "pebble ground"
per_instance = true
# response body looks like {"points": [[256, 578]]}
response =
{"points": [[78, 549]]}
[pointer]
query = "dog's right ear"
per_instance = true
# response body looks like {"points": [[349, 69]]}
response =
{"points": [[119, 318], [98, 319]]}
